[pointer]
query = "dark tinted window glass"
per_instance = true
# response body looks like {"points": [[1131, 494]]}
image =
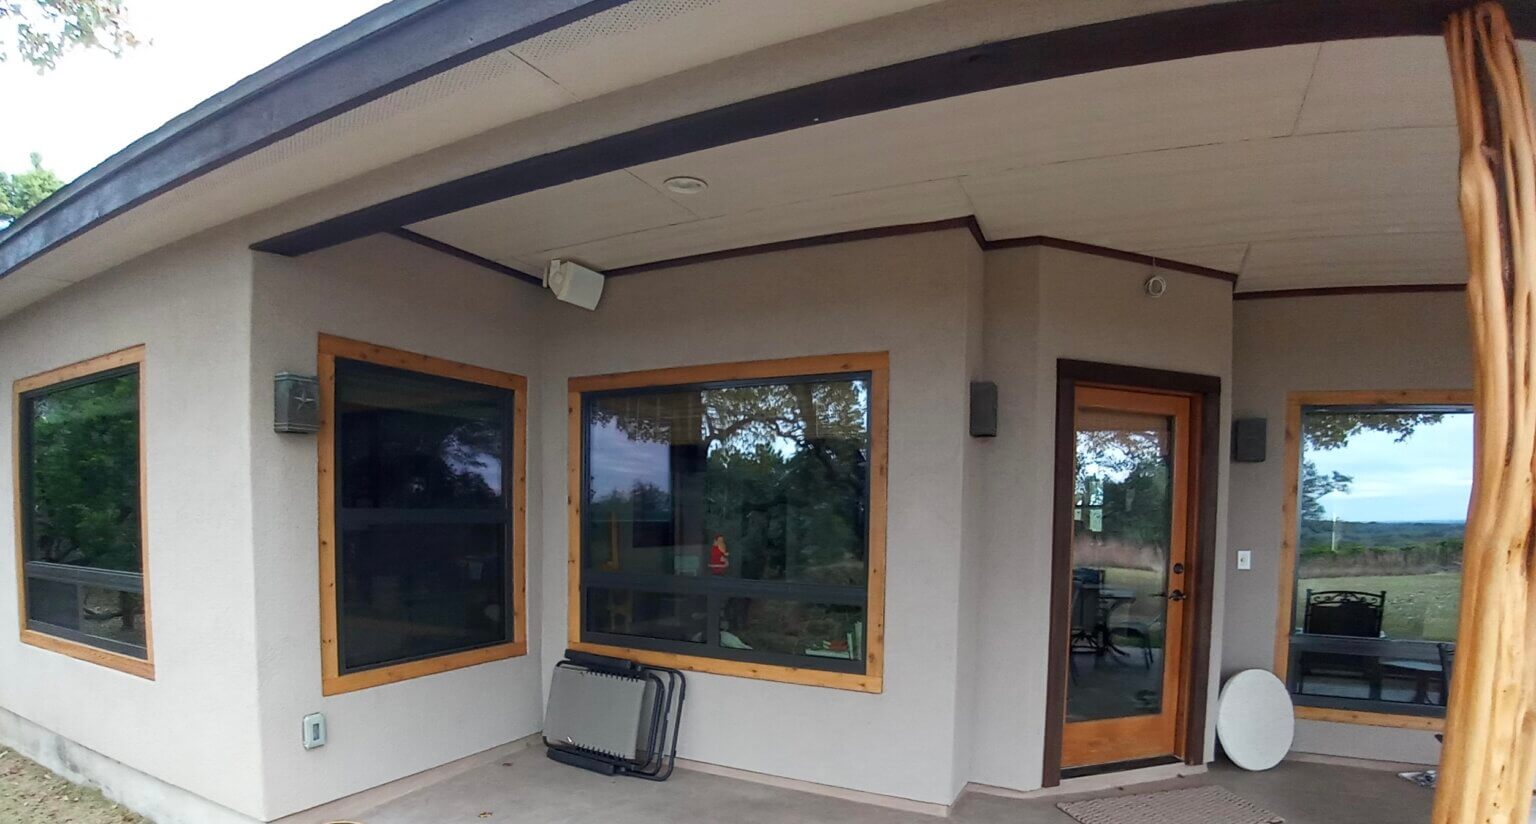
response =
{"points": [[422, 517], [419, 441], [84, 486], [647, 614], [80, 511], [102, 617], [410, 591], [737, 489], [794, 628]]}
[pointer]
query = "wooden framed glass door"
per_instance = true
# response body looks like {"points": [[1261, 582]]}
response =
{"points": [[1133, 471]]}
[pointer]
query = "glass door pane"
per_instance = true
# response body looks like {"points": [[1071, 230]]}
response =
{"points": [[1121, 539], [1132, 483]]}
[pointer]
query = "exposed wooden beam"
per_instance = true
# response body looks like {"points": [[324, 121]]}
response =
{"points": [[1487, 764]]}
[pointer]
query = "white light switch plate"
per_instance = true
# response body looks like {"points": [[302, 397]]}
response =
{"points": [[1245, 559]]}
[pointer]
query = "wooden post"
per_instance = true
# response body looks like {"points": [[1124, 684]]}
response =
{"points": [[1486, 766]]}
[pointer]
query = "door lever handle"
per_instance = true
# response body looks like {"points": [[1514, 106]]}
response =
{"points": [[1176, 595]]}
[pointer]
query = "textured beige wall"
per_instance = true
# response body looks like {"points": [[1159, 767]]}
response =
{"points": [[233, 519], [390, 292], [189, 305], [907, 295], [1392, 341], [1042, 305]]}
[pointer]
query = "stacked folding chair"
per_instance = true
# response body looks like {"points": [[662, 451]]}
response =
{"points": [[614, 716]]}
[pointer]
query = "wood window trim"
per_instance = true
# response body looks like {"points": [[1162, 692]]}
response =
{"points": [[877, 364], [141, 667], [1290, 536], [333, 681]]}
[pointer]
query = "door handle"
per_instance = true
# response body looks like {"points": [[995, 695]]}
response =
{"points": [[1176, 595]]}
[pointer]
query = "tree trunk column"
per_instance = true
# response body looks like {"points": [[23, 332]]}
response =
{"points": [[1487, 762]]}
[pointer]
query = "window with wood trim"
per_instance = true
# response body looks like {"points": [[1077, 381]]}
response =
{"points": [[81, 554], [1378, 485], [422, 506], [731, 518]]}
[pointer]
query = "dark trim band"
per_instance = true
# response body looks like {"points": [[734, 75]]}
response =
{"points": [[804, 243], [467, 256], [1115, 254], [967, 223], [1217, 28], [1335, 291]]}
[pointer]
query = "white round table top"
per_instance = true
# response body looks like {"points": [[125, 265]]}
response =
{"points": [[1255, 721]]}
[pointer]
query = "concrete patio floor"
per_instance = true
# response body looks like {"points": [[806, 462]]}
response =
{"points": [[528, 787]]}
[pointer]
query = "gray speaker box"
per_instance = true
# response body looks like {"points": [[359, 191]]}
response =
{"points": [[983, 409], [1248, 438]]}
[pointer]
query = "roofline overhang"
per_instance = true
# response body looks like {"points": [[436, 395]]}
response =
{"points": [[406, 41], [1239, 25], [393, 46]]}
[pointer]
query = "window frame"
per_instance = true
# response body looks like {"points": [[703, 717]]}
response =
{"points": [[1356, 712], [82, 371], [877, 366], [333, 680]]}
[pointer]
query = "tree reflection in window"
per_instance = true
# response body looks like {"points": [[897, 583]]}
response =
{"points": [[752, 497], [80, 504]]}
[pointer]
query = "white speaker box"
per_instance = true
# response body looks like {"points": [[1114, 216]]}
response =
{"points": [[573, 283]]}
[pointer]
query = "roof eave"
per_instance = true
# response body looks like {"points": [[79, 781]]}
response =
{"points": [[386, 49]]}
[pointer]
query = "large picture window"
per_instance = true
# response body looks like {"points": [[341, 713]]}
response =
{"points": [[422, 500], [730, 518], [80, 520], [1374, 546]]}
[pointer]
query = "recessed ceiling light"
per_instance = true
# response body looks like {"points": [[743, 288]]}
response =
{"points": [[685, 185]]}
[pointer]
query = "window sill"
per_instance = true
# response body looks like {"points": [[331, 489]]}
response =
{"points": [[82, 652], [1371, 719], [871, 682], [352, 682]]}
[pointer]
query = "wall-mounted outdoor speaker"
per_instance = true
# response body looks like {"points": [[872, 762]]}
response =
{"points": [[295, 403], [1248, 436], [983, 409]]}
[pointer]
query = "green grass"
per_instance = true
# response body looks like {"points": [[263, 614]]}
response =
{"points": [[1418, 606]]}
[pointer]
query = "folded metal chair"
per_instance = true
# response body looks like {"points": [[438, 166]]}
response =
{"points": [[614, 716]]}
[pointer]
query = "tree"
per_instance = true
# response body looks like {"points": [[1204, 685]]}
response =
{"points": [[1314, 485], [45, 29], [1332, 430], [23, 190], [84, 458]]}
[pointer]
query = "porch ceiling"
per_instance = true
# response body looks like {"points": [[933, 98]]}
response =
{"points": [[143, 197], [1302, 166]]}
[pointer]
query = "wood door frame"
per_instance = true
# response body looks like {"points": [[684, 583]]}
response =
{"points": [[1206, 391]]}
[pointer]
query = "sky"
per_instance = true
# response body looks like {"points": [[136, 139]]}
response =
{"points": [[1426, 478], [93, 104]]}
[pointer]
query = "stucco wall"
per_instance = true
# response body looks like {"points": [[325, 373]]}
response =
{"points": [[390, 292], [1042, 305], [1389, 341], [190, 306], [969, 520], [907, 295]]}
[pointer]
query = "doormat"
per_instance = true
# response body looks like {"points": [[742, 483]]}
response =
{"points": [[1200, 805]]}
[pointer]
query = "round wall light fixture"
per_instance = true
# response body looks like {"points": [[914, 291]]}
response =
{"points": [[685, 185]]}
